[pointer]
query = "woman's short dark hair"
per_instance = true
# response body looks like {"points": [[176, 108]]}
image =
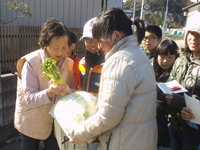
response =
{"points": [[115, 19], [51, 28], [164, 48]]}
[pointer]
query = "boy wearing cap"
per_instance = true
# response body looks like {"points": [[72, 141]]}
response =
{"points": [[90, 66]]}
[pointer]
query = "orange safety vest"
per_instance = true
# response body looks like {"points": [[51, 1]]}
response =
{"points": [[96, 71]]}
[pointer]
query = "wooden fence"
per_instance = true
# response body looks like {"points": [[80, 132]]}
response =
{"points": [[16, 42]]}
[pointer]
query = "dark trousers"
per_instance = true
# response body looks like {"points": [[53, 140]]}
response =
{"points": [[183, 141], [28, 143]]}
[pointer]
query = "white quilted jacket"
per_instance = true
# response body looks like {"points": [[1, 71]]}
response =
{"points": [[126, 119]]}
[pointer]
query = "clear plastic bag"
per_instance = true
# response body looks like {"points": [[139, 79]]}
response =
{"points": [[73, 109]]}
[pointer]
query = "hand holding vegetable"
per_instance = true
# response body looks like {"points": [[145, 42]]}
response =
{"points": [[55, 90], [74, 142], [51, 71]]}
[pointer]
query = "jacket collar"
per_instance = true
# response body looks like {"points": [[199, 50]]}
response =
{"points": [[130, 40], [150, 54], [73, 55], [194, 60]]}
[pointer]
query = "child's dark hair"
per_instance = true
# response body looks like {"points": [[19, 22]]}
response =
{"points": [[115, 19], [73, 37], [51, 28], [154, 29], [164, 48]]}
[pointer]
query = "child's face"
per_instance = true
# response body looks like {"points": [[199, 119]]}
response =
{"points": [[166, 61], [91, 45], [151, 41], [58, 47], [193, 42]]}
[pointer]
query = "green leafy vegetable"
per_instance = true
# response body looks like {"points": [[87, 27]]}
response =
{"points": [[51, 71]]}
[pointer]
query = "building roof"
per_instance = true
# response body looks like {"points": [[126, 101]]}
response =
{"points": [[190, 6]]}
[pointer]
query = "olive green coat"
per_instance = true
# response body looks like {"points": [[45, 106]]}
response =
{"points": [[187, 73]]}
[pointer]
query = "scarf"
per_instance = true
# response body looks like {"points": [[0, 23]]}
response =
{"points": [[92, 59]]}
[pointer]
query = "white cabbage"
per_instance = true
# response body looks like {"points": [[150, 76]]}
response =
{"points": [[73, 109]]}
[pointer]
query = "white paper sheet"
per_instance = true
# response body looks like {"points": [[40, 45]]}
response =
{"points": [[166, 87], [194, 105]]}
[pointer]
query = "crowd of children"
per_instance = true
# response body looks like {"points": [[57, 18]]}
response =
{"points": [[134, 114]]}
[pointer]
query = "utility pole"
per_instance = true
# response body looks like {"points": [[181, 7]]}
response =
{"points": [[104, 4], [164, 25], [142, 10], [134, 6]]}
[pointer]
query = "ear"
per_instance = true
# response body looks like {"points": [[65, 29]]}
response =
{"points": [[73, 46], [160, 40], [117, 35]]}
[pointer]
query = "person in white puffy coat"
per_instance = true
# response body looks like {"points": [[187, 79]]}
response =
{"points": [[126, 119]]}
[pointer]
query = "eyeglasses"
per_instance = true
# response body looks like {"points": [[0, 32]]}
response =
{"points": [[151, 38]]}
